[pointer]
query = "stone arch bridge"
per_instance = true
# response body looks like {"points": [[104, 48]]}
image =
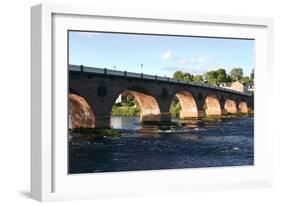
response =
{"points": [[93, 92]]}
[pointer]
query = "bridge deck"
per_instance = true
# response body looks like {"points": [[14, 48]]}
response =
{"points": [[110, 72]]}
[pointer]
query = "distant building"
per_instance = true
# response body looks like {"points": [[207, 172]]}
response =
{"points": [[225, 85], [238, 86], [251, 88]]}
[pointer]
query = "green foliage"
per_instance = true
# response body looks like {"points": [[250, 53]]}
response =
{"points": [[210, 118], [178, 75], [252, 75], [198, 78], [125, 111], [183, 76], [217, 76], [129, 102], [222, 76], [97, 131], [128, 107], [239, 114], [205, 107], [236, 74], [175, 108], [212, 77], [162, 123], [246, 80], [188, 77]]}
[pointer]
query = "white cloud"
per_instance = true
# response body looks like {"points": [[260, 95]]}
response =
{"points": [[167, 55]]}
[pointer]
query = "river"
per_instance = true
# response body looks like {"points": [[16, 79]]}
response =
{"points": [[229, 142]]}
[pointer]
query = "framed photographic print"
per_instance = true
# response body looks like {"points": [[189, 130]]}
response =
{"points": [[137, 102]]}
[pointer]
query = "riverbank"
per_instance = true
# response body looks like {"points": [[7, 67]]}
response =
{"points": [[163, 123], [97, 131]]}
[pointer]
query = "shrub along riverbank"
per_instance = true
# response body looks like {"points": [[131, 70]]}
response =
{"points": [[128, 107], [99, 132], [163, 123], [175, 108]]}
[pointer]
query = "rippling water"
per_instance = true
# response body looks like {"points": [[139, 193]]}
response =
{"points": [[226, 143]]}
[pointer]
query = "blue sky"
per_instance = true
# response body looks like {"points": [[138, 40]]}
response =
{"points": [[159, 55]]}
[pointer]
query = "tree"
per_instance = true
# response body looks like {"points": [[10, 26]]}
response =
{"points": [[198, 78], [228, 78], [221, 76], [252, 75], [178, 75], [236, 74], [216, 76], [211, 76], [246, 80], [183, 76], [206, 76], [188, 76]]}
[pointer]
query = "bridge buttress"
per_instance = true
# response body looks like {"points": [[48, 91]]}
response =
{"points": [[102, 121], [200, 108]]}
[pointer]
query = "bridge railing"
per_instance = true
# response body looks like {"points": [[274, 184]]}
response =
{"points": [[132, 74], [106, 71]]}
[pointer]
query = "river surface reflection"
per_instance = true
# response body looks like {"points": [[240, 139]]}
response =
{"points": [[228, 142]]}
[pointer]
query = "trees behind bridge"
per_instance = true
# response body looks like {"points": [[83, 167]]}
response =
{"points": [[217, 76]]}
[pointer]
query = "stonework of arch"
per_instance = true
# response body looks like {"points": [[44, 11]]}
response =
{"points": [[150, 110], [188, 105], [80, 112], [212, 106], [230, 106], [243, 107]]}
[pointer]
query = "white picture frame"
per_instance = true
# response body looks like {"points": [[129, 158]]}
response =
{"points": [[48, 178]]}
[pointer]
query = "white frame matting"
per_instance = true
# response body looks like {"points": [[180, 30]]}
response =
{"points": [[49, 178]]}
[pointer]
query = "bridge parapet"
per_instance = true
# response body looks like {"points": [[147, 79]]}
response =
{"points": [[105, 71]]}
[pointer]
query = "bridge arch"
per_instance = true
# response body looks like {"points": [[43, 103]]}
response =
{"points": [[212, 105], [230, 106], [243, 107], [149, 108], [80, 112], [188, 105]]}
